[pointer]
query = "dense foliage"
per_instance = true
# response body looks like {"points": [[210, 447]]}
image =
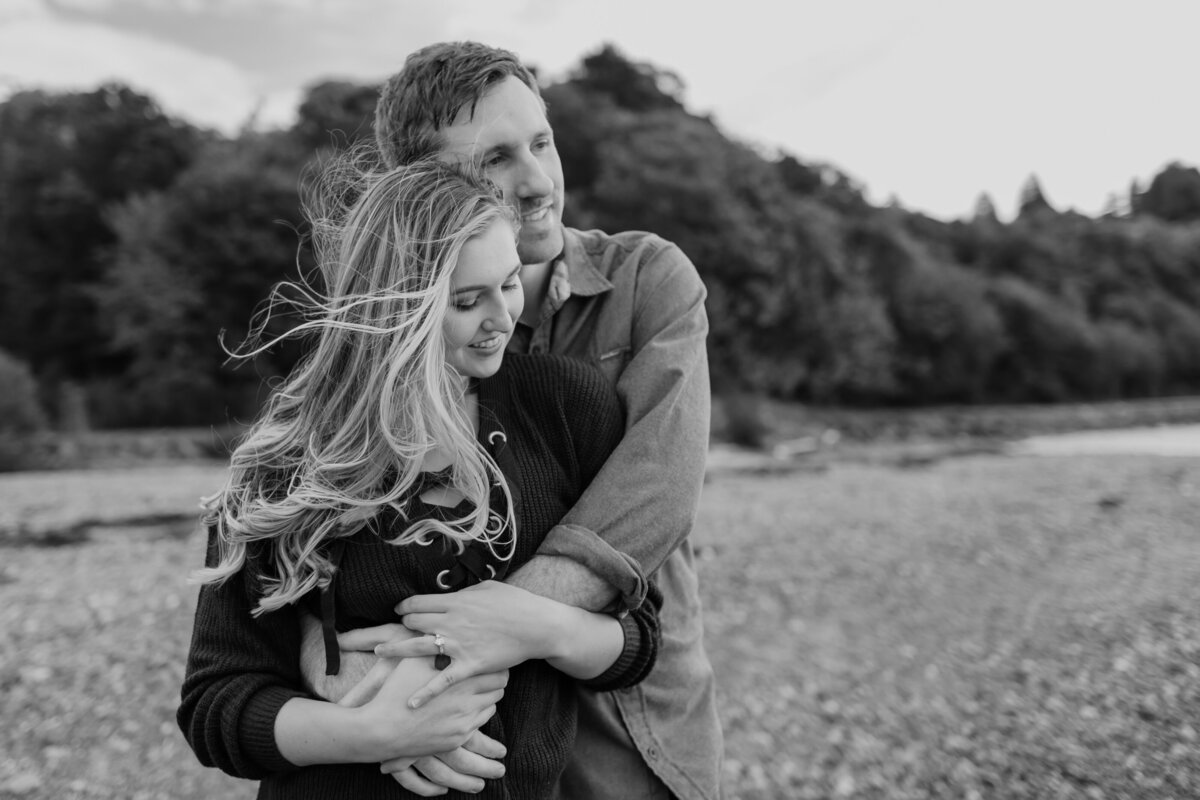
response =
{"points": [[130, 242]]}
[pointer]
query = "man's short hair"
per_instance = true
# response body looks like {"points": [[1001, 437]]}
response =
{"points": [[426, 95]]}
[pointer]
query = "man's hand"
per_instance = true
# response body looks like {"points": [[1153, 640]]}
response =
{"points": [[487, 627], [464, 769]]}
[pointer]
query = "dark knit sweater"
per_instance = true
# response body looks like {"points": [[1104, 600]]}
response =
{"points": [[560, 419]]}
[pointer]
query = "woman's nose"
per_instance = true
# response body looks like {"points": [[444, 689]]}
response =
{"points": [[498, 319]]}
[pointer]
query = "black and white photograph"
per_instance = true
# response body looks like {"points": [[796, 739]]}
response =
{"points": [[645, 400]]}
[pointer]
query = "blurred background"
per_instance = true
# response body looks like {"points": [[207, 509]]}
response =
{"points": [[891, 204]]}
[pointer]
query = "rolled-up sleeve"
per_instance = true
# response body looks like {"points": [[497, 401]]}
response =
{"points": [[643, 501]]}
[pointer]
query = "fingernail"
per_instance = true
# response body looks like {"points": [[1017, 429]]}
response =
{"points": [[414, 703]]}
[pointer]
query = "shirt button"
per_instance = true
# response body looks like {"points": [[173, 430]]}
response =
{"points": [[652, 753], [537, 349]]}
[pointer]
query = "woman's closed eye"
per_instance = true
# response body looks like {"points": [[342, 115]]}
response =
{"points": [[469, 296]]}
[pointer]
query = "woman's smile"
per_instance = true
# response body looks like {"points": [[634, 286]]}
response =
{"points": [[485, 301]]}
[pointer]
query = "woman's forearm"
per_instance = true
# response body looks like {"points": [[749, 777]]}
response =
{"points": [[583, 644], [386, 727], [319, 732], [494, 625]]}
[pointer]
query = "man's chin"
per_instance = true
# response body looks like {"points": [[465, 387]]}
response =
{"points": [[541, 247]]}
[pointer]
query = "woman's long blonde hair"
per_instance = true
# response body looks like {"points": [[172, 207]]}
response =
{"points": [[344, 436]]}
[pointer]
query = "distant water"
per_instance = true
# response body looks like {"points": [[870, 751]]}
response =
{"points": [[1167, 440]]}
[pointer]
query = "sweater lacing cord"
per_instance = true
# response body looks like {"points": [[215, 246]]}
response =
{"points": [[333, 656], [476, 561]]}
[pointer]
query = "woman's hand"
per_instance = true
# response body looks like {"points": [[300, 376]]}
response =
{"points": [[487, 627], [362, 671], [442, 725], [385, 728], [464, 769]]}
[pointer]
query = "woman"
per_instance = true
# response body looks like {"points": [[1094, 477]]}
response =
{"points": [[406, 454]]}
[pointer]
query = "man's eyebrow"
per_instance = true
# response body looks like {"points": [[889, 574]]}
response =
{"points": [[481, 287], [505, 146], [500, 147]]}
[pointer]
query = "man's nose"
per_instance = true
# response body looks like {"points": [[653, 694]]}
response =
{"points": [[532, 179]]}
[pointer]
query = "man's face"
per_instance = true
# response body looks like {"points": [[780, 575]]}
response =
{"points": [[510, 137]]}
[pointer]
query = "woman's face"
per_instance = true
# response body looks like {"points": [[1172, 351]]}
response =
{"points": [[485, 301]]}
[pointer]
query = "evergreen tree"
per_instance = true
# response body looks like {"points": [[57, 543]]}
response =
{"points": [[1032, 200], [985, 209]]}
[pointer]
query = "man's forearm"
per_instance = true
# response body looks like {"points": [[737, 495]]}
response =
{"points": [[566, 581]]}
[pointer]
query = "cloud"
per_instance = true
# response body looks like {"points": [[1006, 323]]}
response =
{"points": [[38, 51], [971, 99], [15, 10], [932, 101], [281, 43], [215, 62]]}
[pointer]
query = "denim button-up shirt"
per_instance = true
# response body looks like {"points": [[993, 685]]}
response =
{"points": [[632, 304]]}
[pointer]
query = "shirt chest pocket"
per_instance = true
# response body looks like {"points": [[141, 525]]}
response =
{"points": [[612, 362]]}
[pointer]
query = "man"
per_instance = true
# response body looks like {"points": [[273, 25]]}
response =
{"points": [[632, 304]]}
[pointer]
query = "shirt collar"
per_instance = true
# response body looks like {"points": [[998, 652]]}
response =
{"points": [[585, 278]]}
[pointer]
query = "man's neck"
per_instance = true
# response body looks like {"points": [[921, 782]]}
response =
{"points": [[535, 282]]}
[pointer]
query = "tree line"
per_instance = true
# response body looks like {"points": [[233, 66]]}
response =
{"points": [[131, 241]]}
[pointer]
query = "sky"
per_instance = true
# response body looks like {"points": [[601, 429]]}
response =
{"points": [[928, 103]]}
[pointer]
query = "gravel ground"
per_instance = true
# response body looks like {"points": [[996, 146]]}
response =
{"points": [[978, 627]]}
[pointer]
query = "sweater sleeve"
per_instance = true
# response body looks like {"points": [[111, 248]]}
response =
{"points": [[642, 638], [240, 671]]}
